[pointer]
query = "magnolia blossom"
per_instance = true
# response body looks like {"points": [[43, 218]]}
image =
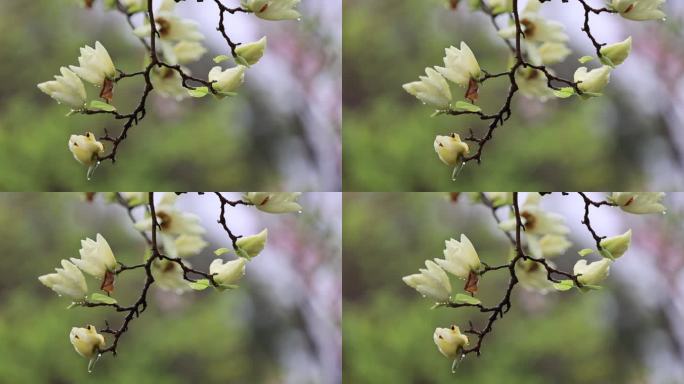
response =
{"points": [[533, 276], [188, 245], [273, 9], [229, 273], [86, 341], [460, 259], [96, 257], [229, 80], [168, 275], [536, 220], [183, 52], [68, 280], [639, 202], [552, 245], [450, 149], [592, 81], [172, 220], [85, 149], [275, 202], [460, 66], [169, 26], [252, 52], [67, 89], [533, 83], [95, 65], [553, 53], [535, 27], [432, 282], [592, 273], [168, 83], [617, 53], [450, 341], [639, 9], [617, 245], [431, 89], [253, 245]]}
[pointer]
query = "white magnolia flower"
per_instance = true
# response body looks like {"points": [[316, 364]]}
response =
{"points": [[253, 245], [460, 66], [96, 257], [450, 341], [432, 282], [618, 52], [252, 52], [168, 83], [460, 258], [639, 9], [86, 341], [68, 280], [553, 53], [536, 220], [188, 245], [229, 273], [639, 202], [535, 27], [592, 273], [275, 202], [273, 9], [168, 275], [450, 149], [85, 148], [170, 26], [592, 81], [617, 245], [172, 220], [553, 245], [183, 52], [533, 276], [533, 84], [67, 88], [95, 65], [229, 80], [431, 89]]}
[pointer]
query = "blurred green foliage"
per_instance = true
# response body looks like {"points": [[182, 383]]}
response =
{"points": [[388, 327], [388, 134], [194, 145]]}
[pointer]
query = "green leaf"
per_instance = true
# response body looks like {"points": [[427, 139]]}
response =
{"points": [[564, 92], [100, 298], [466, 106], [586, 251], [221, 251], [564, 285], [221, 58], [461, 298], [200, 285], [198, 92], [101, 106], [585, 59]]}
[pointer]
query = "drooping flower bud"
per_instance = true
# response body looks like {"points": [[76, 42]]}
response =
{"points": [[450, 341], [617, 245], [230, 272], [85, 148], [592, 273], [451, 149], [253, 245], [227, 81], [592, 81], [252, 52], [86, 341]]}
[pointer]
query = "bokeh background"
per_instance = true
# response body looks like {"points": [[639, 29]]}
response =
{"points": [[628, 332], [281, 326], [281, 133], [630, 139]]}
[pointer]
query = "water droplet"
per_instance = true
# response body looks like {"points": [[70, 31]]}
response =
{"points": [[93, 360], [91, 170], [457, 362], [457, 171]]}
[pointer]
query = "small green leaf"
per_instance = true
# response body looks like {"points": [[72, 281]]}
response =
{"points": [[200, 285], [585, 59], [461, 298], [100, 298], [564, 92], [563, 285], [221, 251], [466, 106], [221, 58], [101, 106], [198, 92], [586, 251]]}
